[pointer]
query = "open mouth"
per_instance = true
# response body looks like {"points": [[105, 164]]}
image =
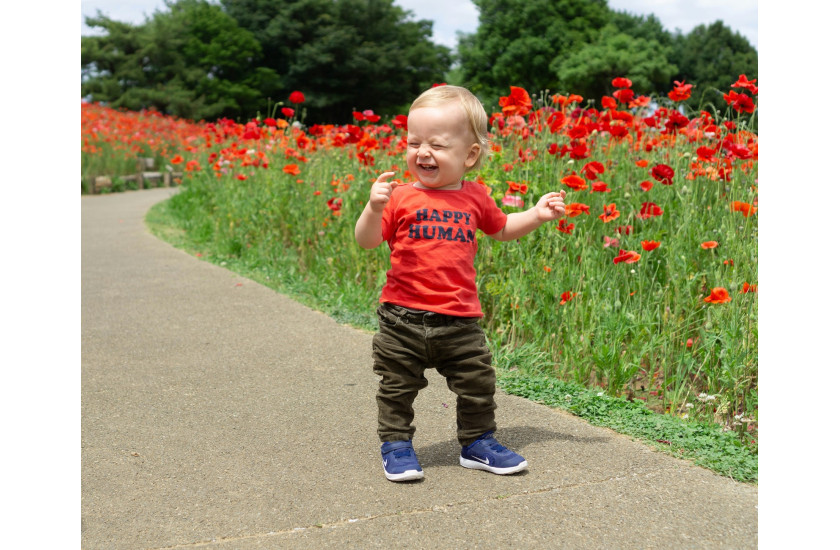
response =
{"points": [[428, 168]]}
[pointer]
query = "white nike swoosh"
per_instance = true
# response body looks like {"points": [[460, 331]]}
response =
{"points": [[482, 460]]}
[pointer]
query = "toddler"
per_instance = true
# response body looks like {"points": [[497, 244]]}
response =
{"points": [[429, 312]]}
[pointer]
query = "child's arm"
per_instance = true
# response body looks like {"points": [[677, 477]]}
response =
{"points": [[369, 225], [549, 207]]}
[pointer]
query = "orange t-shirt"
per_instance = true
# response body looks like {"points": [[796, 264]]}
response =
{"points": [[432, 236]]}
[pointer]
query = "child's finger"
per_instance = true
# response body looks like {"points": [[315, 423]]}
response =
{"points": [[384, 176]]}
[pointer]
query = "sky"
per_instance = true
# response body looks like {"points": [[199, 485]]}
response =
{"points": [[451, 16]]}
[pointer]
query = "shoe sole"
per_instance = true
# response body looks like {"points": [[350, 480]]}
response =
{"points": [[475, 465], [405, 476]]}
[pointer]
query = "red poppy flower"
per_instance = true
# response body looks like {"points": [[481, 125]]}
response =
{"points": [[592, 169], [177, 159], [663, 174], [650, 209], [270, 122], [681, 91], [609, 241], [297, 97], [621, 82], [565, 227], [742, 103], [335, 205], [610, 213], [400, 121], [579, 151], [708, 245], [618, 130], [719, 295], [287, 112], [241, 177], [624, 229], [514, 187], [566, 297], [706, 154], [517, 103], [676, 120], [642, 163], [575, 182], [747, 286], [578, 131], [650, 245], [576, 209], [744, 208], [608, 103], [600, 187], [624, 95], [627, 257], [742, 82], [646, 186], [292, 169]]}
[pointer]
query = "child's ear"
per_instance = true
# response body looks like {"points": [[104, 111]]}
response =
{"points": [[472, 156]]}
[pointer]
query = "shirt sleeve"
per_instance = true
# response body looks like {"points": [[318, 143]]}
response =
{"points": [[493, 219]]}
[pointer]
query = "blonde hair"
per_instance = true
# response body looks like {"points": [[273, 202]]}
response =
{"points": [[476, 116]]}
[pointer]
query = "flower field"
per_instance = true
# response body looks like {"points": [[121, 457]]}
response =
{"points": [[647, 288]]}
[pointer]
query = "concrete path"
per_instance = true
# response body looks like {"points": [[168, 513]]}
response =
{"points": [[219, 414]]}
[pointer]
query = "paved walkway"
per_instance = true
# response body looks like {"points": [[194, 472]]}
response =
{"points": [[219, 414]]}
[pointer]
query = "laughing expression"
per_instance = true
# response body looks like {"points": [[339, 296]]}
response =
{"points": [[440, 146]]}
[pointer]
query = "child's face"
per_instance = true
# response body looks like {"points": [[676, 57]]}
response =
{"points": [[440, 146]]}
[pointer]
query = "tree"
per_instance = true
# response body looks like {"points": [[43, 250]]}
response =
{"points": [[518, 41], [344, 55], [711, 57], [193, 61], [590, 70]]}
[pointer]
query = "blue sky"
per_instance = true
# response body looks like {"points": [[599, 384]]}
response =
{"points": [[451, 16]]}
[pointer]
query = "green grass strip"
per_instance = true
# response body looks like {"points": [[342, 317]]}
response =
{"points": [[707, 445]]}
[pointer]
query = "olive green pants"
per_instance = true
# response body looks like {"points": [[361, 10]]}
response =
{"points": [[411, 341]]}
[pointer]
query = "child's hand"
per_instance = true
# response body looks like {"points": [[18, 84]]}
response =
{"points": [[551, 206], [380, 191]]}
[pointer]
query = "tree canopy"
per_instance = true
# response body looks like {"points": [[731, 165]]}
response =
{"points": [[205, 60], [193, 61], [201, 59], [711, 57], [579, 46]]}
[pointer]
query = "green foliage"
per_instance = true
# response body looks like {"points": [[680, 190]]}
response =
{"points": [[518, 40], [704, 443], [579, 46], [344, 55], [202, 60], [590, 70], [708, 57], [193, 62]]}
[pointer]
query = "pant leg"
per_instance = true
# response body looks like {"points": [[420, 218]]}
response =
{"points": [[464, 359], [399, 357]]}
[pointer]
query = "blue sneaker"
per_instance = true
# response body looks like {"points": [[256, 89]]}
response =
{"points": [[488, 454], [400, 462]]}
